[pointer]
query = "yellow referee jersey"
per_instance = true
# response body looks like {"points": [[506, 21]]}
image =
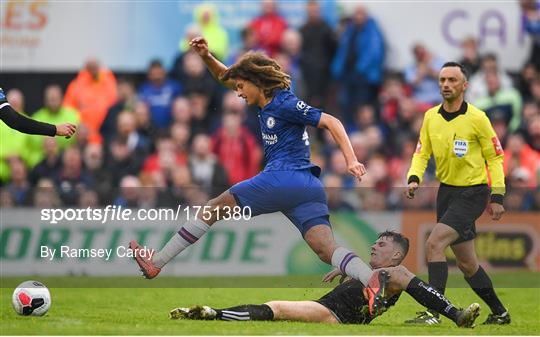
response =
{"points": [[462, 143]]}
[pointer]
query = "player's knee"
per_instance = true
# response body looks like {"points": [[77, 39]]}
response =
{"points": [[399, 278], [467, 267], [324, 253], [433, 246], [274, 306]]}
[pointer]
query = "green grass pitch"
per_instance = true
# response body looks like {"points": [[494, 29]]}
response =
{"points": [[140, 307]]}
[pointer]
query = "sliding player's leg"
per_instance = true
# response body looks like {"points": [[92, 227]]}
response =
{"points": [[401, 279], [299, 311]]}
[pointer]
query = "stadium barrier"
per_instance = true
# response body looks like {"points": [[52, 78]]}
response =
{"points": [[264, 245]]}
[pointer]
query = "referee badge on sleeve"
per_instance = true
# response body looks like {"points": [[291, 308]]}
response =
{"points": [[460, 147], [497, 146]]}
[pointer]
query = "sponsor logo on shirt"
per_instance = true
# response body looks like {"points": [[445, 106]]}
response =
{"points": [[497, 146], [269, 139], [270, 122], [305, 137], [302, 106], [461, 147]]}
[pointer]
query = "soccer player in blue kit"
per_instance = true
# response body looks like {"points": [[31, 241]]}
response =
{"points": [[289, 182]]}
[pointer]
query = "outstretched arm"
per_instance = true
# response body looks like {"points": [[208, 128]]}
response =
{"points": [[337, 130], [216, 68], [21, 123]]}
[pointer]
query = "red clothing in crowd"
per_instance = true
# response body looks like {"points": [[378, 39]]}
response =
{"points": [[239, 154], [153, 163], [528, 159], [269, 31]]}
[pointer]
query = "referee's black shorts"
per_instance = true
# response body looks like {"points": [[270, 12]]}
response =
{"points": [[460, 206]]}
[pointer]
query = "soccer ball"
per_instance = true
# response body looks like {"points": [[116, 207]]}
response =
{"points": [[31, 298]]}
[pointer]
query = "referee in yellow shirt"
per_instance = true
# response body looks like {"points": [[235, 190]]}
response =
{"points": [[463, 143]]}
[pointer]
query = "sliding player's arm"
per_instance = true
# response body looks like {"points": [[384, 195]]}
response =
{"points": [[216, 68], [339, 134]]}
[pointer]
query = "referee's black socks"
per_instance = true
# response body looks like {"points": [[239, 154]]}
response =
{"points": [[246, 312], [438, 275], [482, 286], [429, 297]]}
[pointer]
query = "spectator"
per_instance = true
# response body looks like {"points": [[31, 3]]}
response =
{"points": [[144, 123], [206, 170], [392, 93], [180, 134], [121, 162], [318, 48], [177, 70], [526, 77], [236, 148], [269, 27], [531, 22], [535, 90], [477, 82], [249, 43], [358, 63], [200, 121], [401, 128], [19, 186], [88, 198], [181, 187], [45, 195], [503, 101], [423, 76], [291, 46], [470, 58], [181, 111], [94, 163], [50, 165], [207, 18], [72, 179], [336, 194], [196, 77], [159, 92], [127, 98], [138, 144], [519, 155], [53, 112], [92, 93], [165, 159], [338, 166], [533, 133], [130, 192]]}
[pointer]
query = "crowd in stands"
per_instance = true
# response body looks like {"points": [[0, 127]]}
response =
{"points": [[181, 138]]}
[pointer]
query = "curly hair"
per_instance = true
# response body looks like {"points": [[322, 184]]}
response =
{"points": [[260, 70]]}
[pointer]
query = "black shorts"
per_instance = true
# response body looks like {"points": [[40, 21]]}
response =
{"points": [[459, 207], [347, 303]]}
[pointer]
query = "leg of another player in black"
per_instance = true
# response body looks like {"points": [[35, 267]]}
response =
{"points": [[402, 279], [432, 299], [246, 312]]}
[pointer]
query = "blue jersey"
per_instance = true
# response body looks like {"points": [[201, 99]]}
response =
{"points": [[283, 128]]}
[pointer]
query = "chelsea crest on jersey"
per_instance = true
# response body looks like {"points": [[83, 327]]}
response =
{"points": [[283, 128]]}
